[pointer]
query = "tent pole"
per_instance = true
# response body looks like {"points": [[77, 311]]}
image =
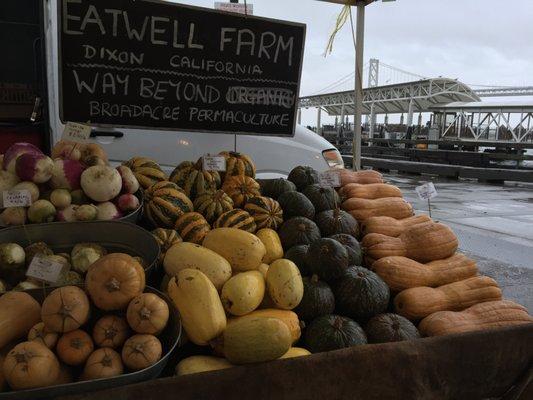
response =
{"points": [[359, 40]]}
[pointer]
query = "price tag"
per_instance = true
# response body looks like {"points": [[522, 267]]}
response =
{"points": [[16, 198], [76, 132], [214, 163], [426, 191], [44, 269], [329, 178]]}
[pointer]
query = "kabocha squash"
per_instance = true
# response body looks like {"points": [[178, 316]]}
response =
{"points": [[253, 340], [192, 227], [212, 204], [298, 255], [165, 205], [110, 331], [389, 327], [390, 226], [166, 238], [147, 313], [362, 209], [243, 250], [193, 179], [327, 258], [197, 364], [266, 212], [331, 222], [272, 242], [482, 316], [30, 365], [102, 363], [241, 188], [352, 246], [288, 317], [238, 164], [189, 255], [303, 176], [323, 198], [114, 280], [238, 219], [364, 177], [360, 293], [296, 352], [275, 187], [333, 332], [317, 299], [403, 273], [284, 284], [243, 292], [417, 303], [19, 312], [199, 305], [298, 230], [73, 348], [371, 191], [425, 242], [65, 309], [141, 351], [41, 335], [296, 204]]}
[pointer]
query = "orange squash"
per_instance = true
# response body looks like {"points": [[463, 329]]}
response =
{"points": [[362, 209], [40, 334], [401, 273], [482, 316], [425, 242], [65, 309], [391, 226], [111, 331], [419, 302], [102, 363], [19, 312], [364, 177], [73, 348], [371, 191], [141, 351], [147, 313], [241, 188]]}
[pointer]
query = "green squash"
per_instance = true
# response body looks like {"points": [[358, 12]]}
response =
{"points": [[323, 198], [331, 222], [360, 293], [352, 246], [317, 300], [298, 255], [390, 327], [295, 204], [298, 230], [333, 332], [275, 187], [303, 176], [327, 258]]}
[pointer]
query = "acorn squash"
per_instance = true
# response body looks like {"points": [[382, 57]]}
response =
{"points": [[212, 204], [194, 180], [241, 188], [238, 164], [192, 227], [333, 332]]}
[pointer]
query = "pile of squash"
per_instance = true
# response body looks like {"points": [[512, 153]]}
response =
{"points": [[80, 333]]}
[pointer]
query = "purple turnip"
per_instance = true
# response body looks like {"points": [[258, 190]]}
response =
{"points": [[30, 187], [14, 152], [60, 198], [68, 214], [41, 211], [101, 183], [34, 167], [127, 203], [13, 216], [66, 174], [7, 180], [86, 212], [108, 211], [130, 184]]}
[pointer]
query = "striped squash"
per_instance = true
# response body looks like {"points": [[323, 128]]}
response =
{"points": [[166, 238], [241, 188], [141, 162], [238, 164], [236, 218], [266, 212], [149, 192], [147, 176], [192, 227], [213, 204], [165, 205], [193, 179]]}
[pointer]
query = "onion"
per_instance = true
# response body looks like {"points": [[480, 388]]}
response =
{"points": [[7, 180], [130, 184], [60, 198], [101, 183], [66, 174], [68, 214], [12, 262], [30, 187], [86, 212], [13, 216], [34, 167], [127, 203], [85, 254], [41, 211], [15, 151], [108, 211]]}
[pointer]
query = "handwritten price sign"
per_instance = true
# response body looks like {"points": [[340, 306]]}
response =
{"points": [[16, 198], [44, 269], [329, 179], [426, 191], [76, 132], [214, 163]]}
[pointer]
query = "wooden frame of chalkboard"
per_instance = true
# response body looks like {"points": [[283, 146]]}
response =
{"points": [[252, 87]]}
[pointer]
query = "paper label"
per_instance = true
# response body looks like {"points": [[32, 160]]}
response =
{"points": [[16, 198], [214, 163], [426, 191], [235, 7], [329, 178], [44, 269], [76, 132]]}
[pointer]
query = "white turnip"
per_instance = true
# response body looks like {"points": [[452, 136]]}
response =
{"points": [[101, 183], [108, 211], [41, 211], [68, 214], [34, 167], [86, 212]]}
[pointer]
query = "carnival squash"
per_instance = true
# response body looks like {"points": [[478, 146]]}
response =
{"points": [[403, 273], [147, 313], [364, 177], [74, 347], [423, 243], [333, 332], [327, 258], [487, 315], [332, 222], [212, 204], [238, 164], [243, 292], [192, 227], [141, 351], [371, 191], [111, 331], [298, 255], [362, 209], [266, 212], [19, 312], [284, 284], [303, 176], [298, 230], [296, 204], [352, 246], [166, 238], [148, 176], [102, 363], [419, 302], [165, 203], [390, 226], [389, 327], [236, 218], [193, 179], [197, 364], [272, 242], [65, 309], [317, 300], [241, 188]]}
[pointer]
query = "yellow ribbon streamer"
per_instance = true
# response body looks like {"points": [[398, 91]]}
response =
{"points": [[341, 20]]}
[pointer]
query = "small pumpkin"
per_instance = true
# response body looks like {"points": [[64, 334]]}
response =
{"points": [[238, 164], [275, 187], [298, 230], [102, 363], [192, 227], [73, 348], [65, 309], [389, 327], [141, 351], [327, 258], [352, 246], [266, 212], [193, 179], [40, 334], [317, 300], [296, 204], [238, 219], [165, 204], [241, 188], [303, 176], [323, 198], [114, 280], [212, 204], [110, 331], [331, 222], [333, 332], [147, 313], [166, 238]]}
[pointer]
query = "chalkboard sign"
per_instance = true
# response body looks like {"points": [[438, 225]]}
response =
{"points": [[151, 64]]}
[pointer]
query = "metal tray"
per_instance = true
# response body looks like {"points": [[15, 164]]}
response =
{"points": [[169, 340], [114, 236]]}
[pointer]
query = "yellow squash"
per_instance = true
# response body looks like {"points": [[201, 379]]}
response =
{"points": [[243, 292], [272, 242], [196, 364], [288, 317], [284, 284], [296, 352], [263, 268], [198, 303]]}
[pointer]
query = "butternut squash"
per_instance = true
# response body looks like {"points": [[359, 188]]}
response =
{"points": [[362, 209], [487, 315], [391, 226], [371, 191], [425, 242], [417, 303], [19, 312], [401, 273], [197, 300], [364, 177]]}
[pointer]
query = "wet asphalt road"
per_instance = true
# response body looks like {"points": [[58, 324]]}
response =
{"points": [[494, 224]]}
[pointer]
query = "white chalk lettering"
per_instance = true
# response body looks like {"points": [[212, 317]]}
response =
{"points": [[155, 30], [264, 46], [134, 33], [191, 43], [175, 42], [92, 17], [90, 51], [67, 17], [224, 39], [115, 13], [285, 46], [82, 85], [241, 42]]}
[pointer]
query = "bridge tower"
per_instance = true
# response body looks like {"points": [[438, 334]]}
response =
{"points": [[373, 81]]}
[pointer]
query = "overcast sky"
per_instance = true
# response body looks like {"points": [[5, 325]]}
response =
{"points": [[488, 42]]}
